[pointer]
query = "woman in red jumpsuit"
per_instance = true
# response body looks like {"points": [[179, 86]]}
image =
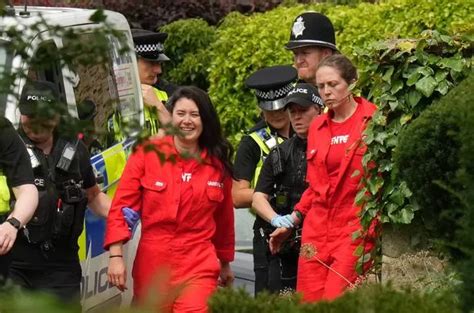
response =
{"points": [[187, 238], [327, 264]]}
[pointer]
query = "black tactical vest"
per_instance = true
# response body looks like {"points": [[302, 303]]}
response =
{"points": [[289, 166], [291, 179], [59, 216]]}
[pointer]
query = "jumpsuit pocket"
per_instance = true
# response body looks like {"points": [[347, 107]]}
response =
{"points": [[311, 155], [153, 185], [215, 194], [154, 200]]}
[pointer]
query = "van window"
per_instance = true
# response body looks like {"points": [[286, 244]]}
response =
{"points": [[45, 65], [106, 91]]}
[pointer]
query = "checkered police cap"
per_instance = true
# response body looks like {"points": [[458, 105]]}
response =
{"points": [[271, 85], [149, 45]]}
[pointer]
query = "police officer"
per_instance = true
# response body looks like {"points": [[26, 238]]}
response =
{"points": [[16, 177], [271, 85], [312, 39], [150, 56], [45, 256], [282, 180]]}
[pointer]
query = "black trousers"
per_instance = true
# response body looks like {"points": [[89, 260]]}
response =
{"points": [[63, 283], [273, 273]]}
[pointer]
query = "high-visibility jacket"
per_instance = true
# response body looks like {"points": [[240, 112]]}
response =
{"points": [[265, 142], [4, 194], [151, 114]]}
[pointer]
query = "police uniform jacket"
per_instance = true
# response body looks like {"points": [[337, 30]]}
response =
{"points": [[188, 239], [284, 171]]}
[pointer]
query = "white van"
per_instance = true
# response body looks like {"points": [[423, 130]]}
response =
{"points": [[109, 89]]}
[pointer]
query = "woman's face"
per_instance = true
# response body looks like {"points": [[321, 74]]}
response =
{"points": [[333, 89], [187, 119], [277, 119], [301, 117], [39, 130]]}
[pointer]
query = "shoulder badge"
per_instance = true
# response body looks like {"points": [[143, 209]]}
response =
{"points": [[298, 27]]}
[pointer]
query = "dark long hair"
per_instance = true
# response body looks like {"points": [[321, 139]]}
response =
{"points": [[211, 137]]}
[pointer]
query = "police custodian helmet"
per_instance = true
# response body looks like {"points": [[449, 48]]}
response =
{"points": [[312, 29], [149, 45], [271, 85]]}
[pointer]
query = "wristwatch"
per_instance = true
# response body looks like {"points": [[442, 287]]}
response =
{"points": [[14, 222]]}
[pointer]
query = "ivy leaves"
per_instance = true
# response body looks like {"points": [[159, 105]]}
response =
{"points": [[403, 77]]}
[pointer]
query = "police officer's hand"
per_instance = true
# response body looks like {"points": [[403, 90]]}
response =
{"points": [[277, 238], [7, 237], [149, 96], [131, 217], [117, 273], [283, 221]]}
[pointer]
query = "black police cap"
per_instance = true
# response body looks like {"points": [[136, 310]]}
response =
{"points": [[271, 85], [149, 45], [312, 29], [304, 94], [39, 98]]}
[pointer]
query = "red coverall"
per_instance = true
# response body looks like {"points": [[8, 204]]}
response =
{"points": [[183, 242], [330, 214]]}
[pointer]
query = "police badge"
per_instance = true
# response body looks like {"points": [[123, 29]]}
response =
{"points": [[298, 27]]}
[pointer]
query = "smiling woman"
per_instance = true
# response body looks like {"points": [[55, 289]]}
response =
{"points": [[187, 223]]}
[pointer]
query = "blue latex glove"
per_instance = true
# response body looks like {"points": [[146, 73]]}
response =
{"points": [[283, 221], [131, 217]]}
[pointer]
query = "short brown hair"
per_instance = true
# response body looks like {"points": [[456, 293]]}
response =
{"points": [[341, 63]]}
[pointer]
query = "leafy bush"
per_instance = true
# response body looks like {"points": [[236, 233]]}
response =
{"points": [[370, 298], [186, 46], [465, 239], [428, 159], [403, 77], [244, 44]]}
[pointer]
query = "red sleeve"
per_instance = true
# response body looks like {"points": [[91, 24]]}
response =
{"points": [[224, 237], [128, 194]]}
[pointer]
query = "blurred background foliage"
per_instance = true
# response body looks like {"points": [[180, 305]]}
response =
{"points": [[410, 55]]}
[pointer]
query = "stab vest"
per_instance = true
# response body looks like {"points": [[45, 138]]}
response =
{"points": [[59, 216], [4, 194], [265, 142], [289, 164]]}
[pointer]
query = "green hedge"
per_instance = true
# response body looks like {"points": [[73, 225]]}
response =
{"points": [[428, 159], [187, 45], [370, 298], [243, 44], [466, 177]]}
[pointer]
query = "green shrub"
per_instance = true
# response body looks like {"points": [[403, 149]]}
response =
{"points": [[244, 44], [403, 77], [186, 46], [465, 238], [427, 158], [370, 298]]}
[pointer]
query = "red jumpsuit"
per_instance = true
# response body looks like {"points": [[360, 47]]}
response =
{"points": [[330, 214], [187, 226]]}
